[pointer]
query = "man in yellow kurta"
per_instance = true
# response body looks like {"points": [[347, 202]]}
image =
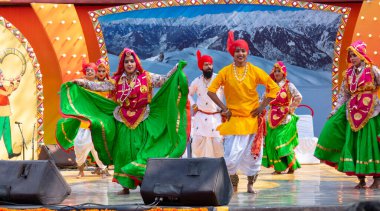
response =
{"points": [[240, 80]]}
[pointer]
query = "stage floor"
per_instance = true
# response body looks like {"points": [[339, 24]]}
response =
{"points": [[318, 187]]}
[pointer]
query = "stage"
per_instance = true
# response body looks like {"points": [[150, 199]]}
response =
{"points": [[315, 187]]}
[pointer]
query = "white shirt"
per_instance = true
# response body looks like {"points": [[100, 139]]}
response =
{"points": [[204, 124]]}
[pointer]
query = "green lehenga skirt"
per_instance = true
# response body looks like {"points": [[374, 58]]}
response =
{"points": [[162, 134], [279, 146], [354, 153]]}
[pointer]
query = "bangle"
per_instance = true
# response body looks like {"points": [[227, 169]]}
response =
{"points": [[225, 110]]}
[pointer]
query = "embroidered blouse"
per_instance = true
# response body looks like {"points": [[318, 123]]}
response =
{"points": [[295, 99], [133, 97], [344, 94]]}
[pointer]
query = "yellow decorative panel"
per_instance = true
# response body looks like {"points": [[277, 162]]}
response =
{"points": [[21, 109], [65, 33]]}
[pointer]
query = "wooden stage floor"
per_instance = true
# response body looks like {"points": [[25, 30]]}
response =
{"points": [[313, 187]]}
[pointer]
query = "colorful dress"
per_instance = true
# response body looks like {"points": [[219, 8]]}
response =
{"points": [[135, 128], [282, 135], [350, 139], [241, 99]]}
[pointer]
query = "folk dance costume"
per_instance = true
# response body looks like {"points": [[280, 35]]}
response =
{"points": [[241, 99], [82, 140], [350, 138], [136, 127], [207, 142], [282, 135]]}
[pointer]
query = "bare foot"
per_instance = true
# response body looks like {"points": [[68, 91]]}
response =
{"points": [[80, 174], [276, 172], [96, 171], [250, 189], [235, 188], [361, 185], [104, 173], [123, 192], [290, 171]]}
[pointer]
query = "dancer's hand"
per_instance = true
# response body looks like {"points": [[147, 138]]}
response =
{"points": [[227, 114], [79, 82], [330, 115], [257, 111], [195, 108]]}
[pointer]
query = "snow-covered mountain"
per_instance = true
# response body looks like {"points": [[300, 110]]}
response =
{"points": [[303, 38]]}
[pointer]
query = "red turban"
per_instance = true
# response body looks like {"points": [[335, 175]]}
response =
{"points": [[232, 44], [88, 65], [203, 59]]}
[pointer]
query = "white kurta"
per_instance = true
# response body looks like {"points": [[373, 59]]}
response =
{"points": [[207, 142]]}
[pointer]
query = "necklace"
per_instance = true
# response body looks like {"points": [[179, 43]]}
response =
{"points": [[126, 91], [237, 76], [355, 77]]}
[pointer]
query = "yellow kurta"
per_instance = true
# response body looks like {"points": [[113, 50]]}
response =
{"points": [[242, 97]]}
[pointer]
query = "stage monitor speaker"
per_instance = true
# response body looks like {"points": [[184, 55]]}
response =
{"points": [[61, 158], [32, 182], [186, 182]]}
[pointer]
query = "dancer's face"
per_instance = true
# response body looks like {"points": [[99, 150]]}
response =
{"points": [[129, 64], [102, 73], [278, 75], [355, 60], [207, 70], [240, 56], [90, 74]]}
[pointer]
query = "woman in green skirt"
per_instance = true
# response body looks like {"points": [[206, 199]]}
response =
{"points": [[135, 126], [349, 141], [282, 134]]}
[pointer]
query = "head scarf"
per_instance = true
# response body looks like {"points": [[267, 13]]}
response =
{"points": [[359, 48], [282, 68], [203, 59], [88, 65], [120, 68], [232, 44], [102, 63]]}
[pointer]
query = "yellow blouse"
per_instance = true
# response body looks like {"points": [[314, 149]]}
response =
{"points": [[242, 97]]}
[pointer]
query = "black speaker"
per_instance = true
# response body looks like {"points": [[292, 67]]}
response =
{"points": [[61, 158], [187, 182], [32, 182]]}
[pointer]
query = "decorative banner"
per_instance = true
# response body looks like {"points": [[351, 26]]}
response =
{"points": [[21, 107], [306, 36]]}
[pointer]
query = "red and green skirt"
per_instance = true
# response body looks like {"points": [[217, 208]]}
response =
{"points": [[279, 146], [354, 153], [162, 134]]}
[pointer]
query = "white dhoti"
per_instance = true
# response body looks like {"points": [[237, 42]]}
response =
{"points": [[211, 147], [237, 153], [83, 145]]}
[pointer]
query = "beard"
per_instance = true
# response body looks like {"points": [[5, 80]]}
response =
{"points": [[207, 74]]}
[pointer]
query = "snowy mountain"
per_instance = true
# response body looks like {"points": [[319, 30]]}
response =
{"points": [[303, 38]]}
